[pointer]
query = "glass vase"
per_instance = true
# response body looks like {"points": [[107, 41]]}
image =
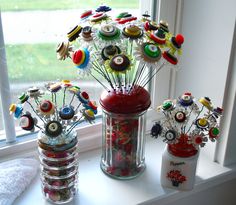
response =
{"points": [[179, 163], [123, 132], [59, 166]]}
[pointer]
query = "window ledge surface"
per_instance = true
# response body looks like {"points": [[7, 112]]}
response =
{"points": [[95, 188]]}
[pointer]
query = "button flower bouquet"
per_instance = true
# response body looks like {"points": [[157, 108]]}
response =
{"points": [[57, 139], [123, 54], [187, 124]]}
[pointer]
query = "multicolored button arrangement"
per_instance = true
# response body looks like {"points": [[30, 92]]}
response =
{"points": [[53, 119], [96, 41], [188, 124]]}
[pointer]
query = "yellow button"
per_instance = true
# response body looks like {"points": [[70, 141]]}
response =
{"points": [[12, 108], [202, 122]]}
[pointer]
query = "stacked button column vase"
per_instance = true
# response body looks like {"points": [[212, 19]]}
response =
{"points": [[123, 132], [59, 167]]}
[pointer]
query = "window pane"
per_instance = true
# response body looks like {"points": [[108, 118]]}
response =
{"points": [[33, 28]]}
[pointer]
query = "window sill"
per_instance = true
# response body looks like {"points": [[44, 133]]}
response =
{"points": [[96, 188]]}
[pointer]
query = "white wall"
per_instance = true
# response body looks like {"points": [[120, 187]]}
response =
{"points": [[208, 27]]}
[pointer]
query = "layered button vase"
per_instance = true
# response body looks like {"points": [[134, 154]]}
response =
{"points": [[59, 166]]}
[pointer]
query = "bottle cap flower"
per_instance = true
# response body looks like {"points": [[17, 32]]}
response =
{"points": [[23, 98], [156, 130], [180, 116], [164, 26], [27, 122], [86, 14], [74, 33], [132, 31], [54, 87], [103, 8], [150, 26], [89, 115], [214, 133], [34, 92], [199, 140], [82, 59], [67, 113], [74, 90], [86, 33], [119, 63], [170, 136], [46, 107], [66, 83], [186, 99], [206, 101], [149, 53], [109, 51], [158, 36], [218, 111], [202, 123], [16, 109], [98, 17], [109, 32], [83, 97], [63, 50], [168, 105], [53, 128]]}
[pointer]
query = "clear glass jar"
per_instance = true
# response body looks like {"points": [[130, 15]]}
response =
{"points": [[123, 133], [59, 167]]}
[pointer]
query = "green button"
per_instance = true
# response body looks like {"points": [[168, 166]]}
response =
{"points": [[166, 105], [215, 131], [151, 50]]}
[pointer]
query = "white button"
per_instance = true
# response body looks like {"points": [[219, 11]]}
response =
{"points": [[118, 60], [152, 48]]}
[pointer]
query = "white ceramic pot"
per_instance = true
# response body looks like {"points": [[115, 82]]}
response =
{"points": [[178, 172]]}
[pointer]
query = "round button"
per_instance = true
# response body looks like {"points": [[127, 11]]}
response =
{"points": [[214, 132], [186, 97], [66, 113], [153, 48], [156, 130], [170, 135], [87, 30], [107, 29], [118, 60], [46, 106], [198, 140], [27, 122], [119, 63], [180, 116], [167, 105], [53, 128], [202, 122], [110, 50]]}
